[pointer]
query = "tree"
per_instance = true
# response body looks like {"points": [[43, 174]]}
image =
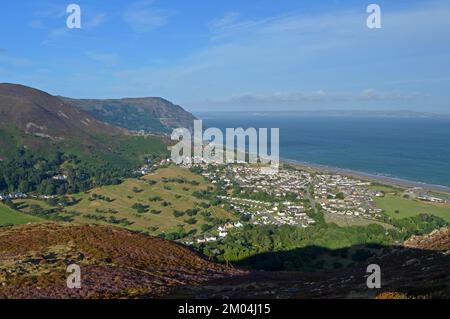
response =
{"points": [[24, 186], [191, 221]]}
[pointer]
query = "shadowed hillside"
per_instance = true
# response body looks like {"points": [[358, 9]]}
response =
{"points": [[417, 271]]}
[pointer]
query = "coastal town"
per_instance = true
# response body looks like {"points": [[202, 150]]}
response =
{"points": [[294, 192], [342, 195], [292, 195]]}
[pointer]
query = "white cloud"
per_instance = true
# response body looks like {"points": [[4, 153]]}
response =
{"points": [[36, 24], [224, 22], [302, 98], [51, 18], [231, 26], [13, 61], [296, 53], [374, 95], [95, 22], [107, 59], [144, 17]]}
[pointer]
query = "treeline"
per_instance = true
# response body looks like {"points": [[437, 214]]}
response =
{"points": [[417, 225], [26, 172], [110, 219], [55, 214], [254, 240], [179, 180], [287, 247]]}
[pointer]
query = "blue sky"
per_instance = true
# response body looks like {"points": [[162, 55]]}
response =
{"points": [[234, 54]]}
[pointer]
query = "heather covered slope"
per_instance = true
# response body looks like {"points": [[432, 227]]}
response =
{"points": [[438, 239], [40, 114], [34, 119], [151, 114], [114, 263]]}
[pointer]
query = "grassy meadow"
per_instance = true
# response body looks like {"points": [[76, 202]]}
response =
{"points": [[163, 202], [399, 207], [145, 204], [347, 221], [9, 216]]}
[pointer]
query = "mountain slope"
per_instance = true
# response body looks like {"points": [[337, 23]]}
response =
{"points": [[151, 114], [113, 263], [41, 122], [119, 263], [38, 113], [438, 239], [419, 269]]}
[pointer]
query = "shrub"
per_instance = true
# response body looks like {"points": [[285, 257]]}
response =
{"points": [[191, 221], [137, 190], [140, 208], [177, 213]]}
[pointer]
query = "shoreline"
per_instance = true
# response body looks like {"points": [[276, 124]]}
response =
{"points": [[393, 181], [378, 178]]}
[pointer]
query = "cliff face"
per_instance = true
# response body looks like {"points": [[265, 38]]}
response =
{"points": [[151, 114]]}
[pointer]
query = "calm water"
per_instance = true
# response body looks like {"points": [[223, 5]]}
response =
{"points": [[416, 149]]}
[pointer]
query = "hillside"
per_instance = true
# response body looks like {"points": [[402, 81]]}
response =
{"points": [[34, 119], [114, 263], [11, 217], [438, 239], [159, 203], [151, 114], [117, 263], [417, 270], [42, 136], [33, 113]]}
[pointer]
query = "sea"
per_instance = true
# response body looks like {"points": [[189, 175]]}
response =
{"points": [[411, 148]]}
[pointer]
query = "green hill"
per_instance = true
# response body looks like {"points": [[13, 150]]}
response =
{"points": [[9, 216], [42, 136], [159, 203], [150, 114]]}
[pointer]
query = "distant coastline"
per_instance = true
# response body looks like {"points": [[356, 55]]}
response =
{"points": [[401, 150], [394, 181], [204, 115]]}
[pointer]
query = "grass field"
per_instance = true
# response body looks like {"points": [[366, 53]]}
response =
{"points": [[347, 221], [409, 207], [388, 189], [118, 201], [12, 217]]}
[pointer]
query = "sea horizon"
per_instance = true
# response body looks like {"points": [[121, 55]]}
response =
{"points": [[379, 147]]}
